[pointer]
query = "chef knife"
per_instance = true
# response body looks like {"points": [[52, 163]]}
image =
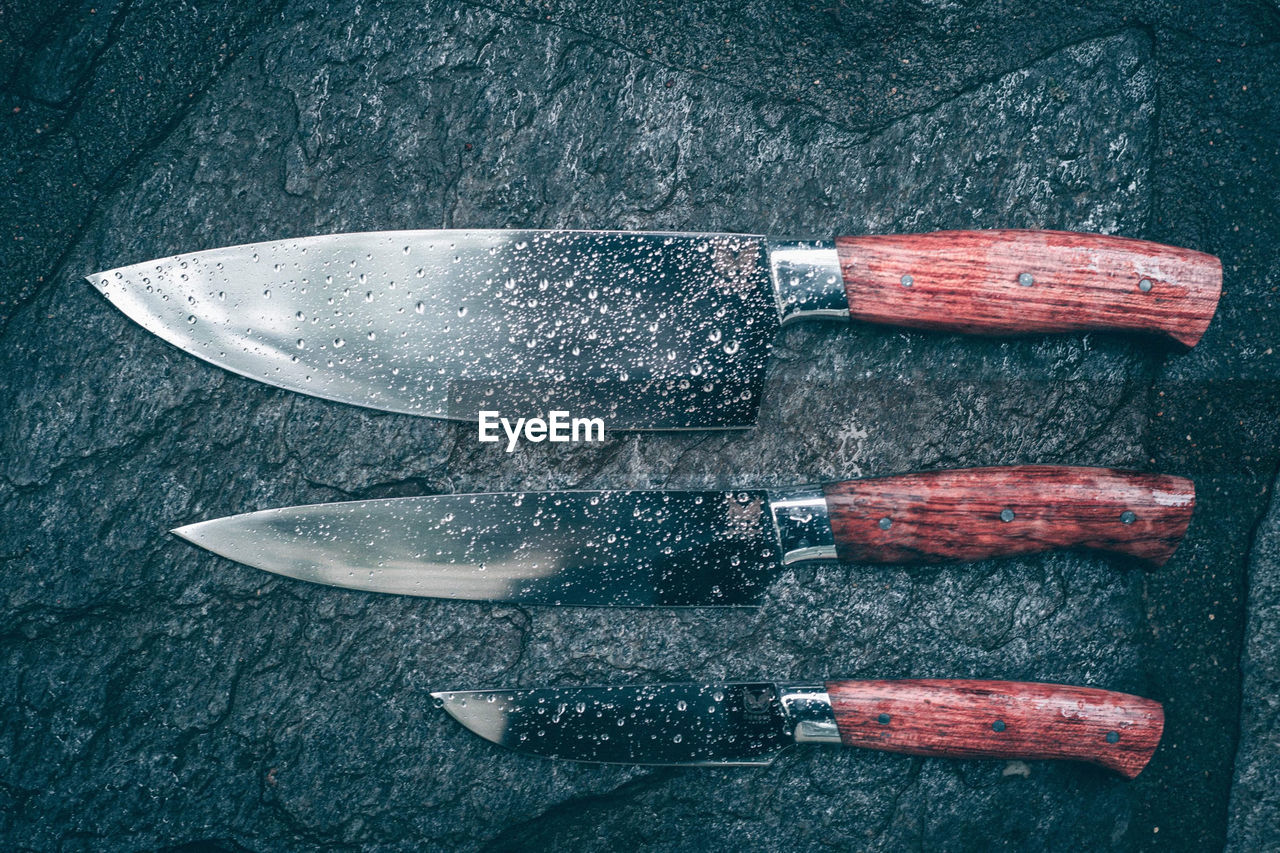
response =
{"points": [[752, 723], [699, 548], [644, 330]]}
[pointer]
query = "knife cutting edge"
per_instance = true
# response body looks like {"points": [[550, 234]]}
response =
{"points": [[699, 548], [752, 723], [647, 330]]}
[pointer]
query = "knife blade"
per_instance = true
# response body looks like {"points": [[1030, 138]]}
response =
{"points": [[699, 548], [645, 330], [751, 723]]}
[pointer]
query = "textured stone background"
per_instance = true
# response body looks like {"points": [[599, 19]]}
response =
{"points": [[153, 696]]}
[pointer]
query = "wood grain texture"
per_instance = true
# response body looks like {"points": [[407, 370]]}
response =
{"points": [[968, 281], [999, 719], [975, 513]]}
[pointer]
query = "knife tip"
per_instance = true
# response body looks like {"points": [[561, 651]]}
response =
{"points": [[186, 531]]}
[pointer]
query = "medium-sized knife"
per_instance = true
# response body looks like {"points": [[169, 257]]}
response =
{"points": [[752, 723], [643, 330], [699, 548]]}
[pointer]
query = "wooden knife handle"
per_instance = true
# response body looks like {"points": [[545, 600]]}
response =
{"points": [[1014, 282], [999, 719], [974, 513]]}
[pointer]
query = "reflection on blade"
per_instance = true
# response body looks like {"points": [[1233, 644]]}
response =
{"points": [[660, 724], [652, 331], [623, 548]]}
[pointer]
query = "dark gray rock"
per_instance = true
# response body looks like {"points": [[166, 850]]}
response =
{"points": [[155, 695], [89, 88], [1214, 413], [1255, 808]]}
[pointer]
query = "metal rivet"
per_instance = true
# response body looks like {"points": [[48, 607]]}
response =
{"points": [[1113, 737], [1144, 285], [886, 523], [907, 281], [883, 719], [1026, 279], [1006, 515], [997, 726], [1127, 517]]}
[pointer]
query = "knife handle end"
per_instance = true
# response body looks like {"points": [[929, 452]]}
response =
{"points": [[977, 513], [999, 719], [1021, 281]]}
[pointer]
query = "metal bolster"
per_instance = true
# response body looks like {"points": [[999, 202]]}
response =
{"points": [[806, 279], [808, 710], [801, 523]]}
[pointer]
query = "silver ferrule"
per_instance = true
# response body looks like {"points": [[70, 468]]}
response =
{"points": [[806, 280], [808, 710], [802, 525]]}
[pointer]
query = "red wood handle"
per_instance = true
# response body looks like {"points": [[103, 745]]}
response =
{"points": [[1012, 282], [999, 719], [974, 513]]}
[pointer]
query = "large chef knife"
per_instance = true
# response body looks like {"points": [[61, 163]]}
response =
{"points": [[752, 723], [645, 330], [678, 548]]}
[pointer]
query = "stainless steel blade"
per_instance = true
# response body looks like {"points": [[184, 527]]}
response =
{"points": [[621, 548], [696, 724], [646, 330]]}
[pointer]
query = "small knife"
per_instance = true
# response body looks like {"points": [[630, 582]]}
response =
{"points": [[703, 548], [644, 330], [752, 723]]}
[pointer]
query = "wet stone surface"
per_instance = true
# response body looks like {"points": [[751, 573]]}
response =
{"points": [[1254, 808], [156, 695]]}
